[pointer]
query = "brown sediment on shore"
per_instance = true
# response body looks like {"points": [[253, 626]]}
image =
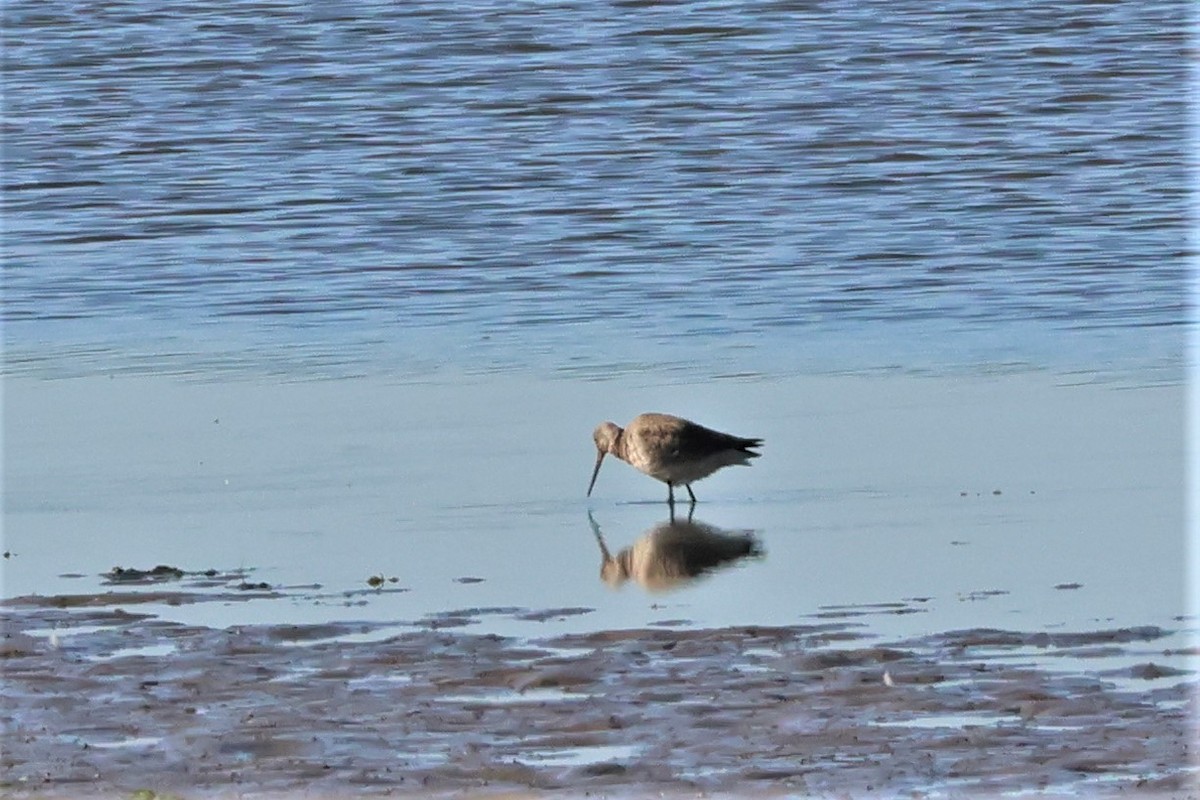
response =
{"points": [[116, 702]]}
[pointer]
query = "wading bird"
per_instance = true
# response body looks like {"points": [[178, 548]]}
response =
{"points": [[670, 449]]}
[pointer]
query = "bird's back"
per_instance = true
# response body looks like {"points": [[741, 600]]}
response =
{"points": [[689, 438], [674, 449]]}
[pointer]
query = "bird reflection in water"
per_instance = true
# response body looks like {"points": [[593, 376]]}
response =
{"points": [[673, 553]]}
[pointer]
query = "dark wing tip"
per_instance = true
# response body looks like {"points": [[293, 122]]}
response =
{"points": [[748, 444]]}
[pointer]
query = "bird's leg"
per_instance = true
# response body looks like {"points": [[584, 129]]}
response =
{"points": [[688, 486], [670, 495]]}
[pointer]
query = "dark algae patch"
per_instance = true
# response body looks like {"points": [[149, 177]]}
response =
{"points": [[130, 575]]}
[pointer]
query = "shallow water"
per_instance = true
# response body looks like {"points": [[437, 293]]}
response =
{"points": [[912, 504]]}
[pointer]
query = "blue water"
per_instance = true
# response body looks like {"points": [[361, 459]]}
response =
{"points": [[591, 187]]}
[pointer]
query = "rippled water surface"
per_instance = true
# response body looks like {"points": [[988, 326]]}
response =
{"points": [[577, 182]]}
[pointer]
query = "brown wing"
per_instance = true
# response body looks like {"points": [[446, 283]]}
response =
{"points": [[689, 440]]}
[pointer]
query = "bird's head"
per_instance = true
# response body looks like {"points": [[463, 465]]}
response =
{"points": [[605, 436]]}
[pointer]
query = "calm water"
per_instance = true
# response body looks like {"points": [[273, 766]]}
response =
{"points": [[980, 494], [585, 185]]}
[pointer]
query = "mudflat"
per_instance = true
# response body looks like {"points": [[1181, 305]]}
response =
{"points": [[102, 700]]}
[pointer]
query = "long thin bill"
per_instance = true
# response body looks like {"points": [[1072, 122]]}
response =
{"points": [[596, 471]]}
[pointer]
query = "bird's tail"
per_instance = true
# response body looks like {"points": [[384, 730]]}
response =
{"points": [[748, 446]]}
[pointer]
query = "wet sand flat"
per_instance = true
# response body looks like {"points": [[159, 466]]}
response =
{"points": [[118, 702]]}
